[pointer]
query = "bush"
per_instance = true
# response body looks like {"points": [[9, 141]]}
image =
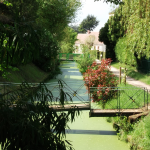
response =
{"points": [[84, 62], [102, 78], [87, 59]]}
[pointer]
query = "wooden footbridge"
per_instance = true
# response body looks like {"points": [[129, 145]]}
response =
{"points": [[120, 101], [100, 112]]}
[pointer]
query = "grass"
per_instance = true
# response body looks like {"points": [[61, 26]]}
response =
{"points": [[132, 72], [136, 134], [140, 136], [29, 73], [126, 97]]}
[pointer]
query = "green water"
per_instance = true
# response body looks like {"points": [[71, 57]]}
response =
{"points": [[88, 133]]}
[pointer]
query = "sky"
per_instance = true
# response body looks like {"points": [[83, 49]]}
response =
{"points": [[99, 9]]}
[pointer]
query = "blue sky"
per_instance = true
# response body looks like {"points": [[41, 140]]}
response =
{"points": [[99, 9]]}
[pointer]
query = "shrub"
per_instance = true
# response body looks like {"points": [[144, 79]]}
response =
{"points": [[87, 59], [102, 78]]}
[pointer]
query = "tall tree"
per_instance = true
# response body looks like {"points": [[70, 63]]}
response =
{"points": [[31, 28], [67, 45], [89, 23], [110, 45], [55, 15], [112, 1]]}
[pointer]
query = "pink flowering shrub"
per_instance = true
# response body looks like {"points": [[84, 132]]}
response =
{"points": [[102, 78]]}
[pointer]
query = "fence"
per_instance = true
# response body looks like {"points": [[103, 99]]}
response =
{"points": [[54, 93], [119, 98]]}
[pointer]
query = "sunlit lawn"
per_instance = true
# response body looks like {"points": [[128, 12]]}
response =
{"points": [[126, 97]]}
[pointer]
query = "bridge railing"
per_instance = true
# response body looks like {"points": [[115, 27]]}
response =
{"points": [[69, 56], [119, 98], [74, 94]]}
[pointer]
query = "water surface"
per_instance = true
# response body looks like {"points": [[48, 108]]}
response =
{"points": [[86, 133]]}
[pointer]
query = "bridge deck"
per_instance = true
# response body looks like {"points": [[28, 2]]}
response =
{"points": [[113, 112], [68, 107], [99, 112]]}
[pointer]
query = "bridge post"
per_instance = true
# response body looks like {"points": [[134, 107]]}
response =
{"points": [[120, 75], [119, 99]]}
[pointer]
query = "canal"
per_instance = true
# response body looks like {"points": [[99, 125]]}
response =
{"points": [[87, 133]]}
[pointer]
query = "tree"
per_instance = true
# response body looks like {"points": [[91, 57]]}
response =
{"points": [[75, 28], [89, 41], [67, 45], [112, 1], [30, 30], [55, 15], [89, 23], [134, 27], [110, 45]]}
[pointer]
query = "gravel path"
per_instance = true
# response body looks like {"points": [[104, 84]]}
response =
{"points": [[131, 80]]}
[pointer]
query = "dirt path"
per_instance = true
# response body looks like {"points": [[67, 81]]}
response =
{"points": [[130, 80]]}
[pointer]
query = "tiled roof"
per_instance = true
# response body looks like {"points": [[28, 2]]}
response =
{"points": [[83, 36]]}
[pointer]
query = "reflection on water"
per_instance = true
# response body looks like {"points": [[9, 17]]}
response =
{"points": [[97, 132]]}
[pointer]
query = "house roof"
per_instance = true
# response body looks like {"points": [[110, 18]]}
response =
{"points": [[82, 37]]}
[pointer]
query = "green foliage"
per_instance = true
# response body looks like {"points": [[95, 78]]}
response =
{"points": [[123, 127], [141, 134], [75, 28], [48, 52], [55, 15], [123, 56], [67, 44], [105, 37], [89, 41], [87, 59], [138, 134], [89, 23], [31, 123], [30, 31], [112, 1], [131, 20]]}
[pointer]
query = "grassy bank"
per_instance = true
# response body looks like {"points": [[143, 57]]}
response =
{"points": [[29, 73], [129, 97], [132, 72], [136, 134]]}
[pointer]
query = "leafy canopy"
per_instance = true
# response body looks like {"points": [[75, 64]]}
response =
{"points": [[112, 1], [67, 45], [131, 20], [105, 37], [55, 15], [89, 23], [32, 31]]}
